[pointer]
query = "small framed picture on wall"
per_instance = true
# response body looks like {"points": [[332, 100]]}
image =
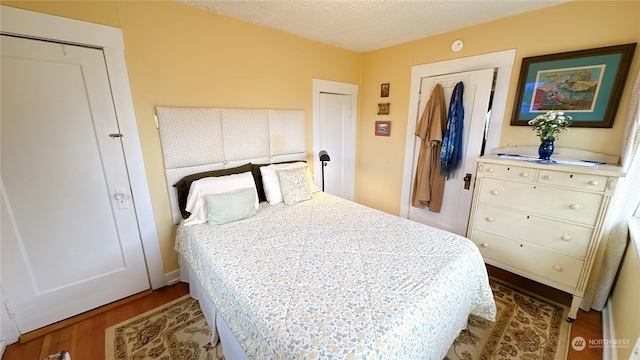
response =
{"points": [[383, 128], [383, 109], [384, 90]]}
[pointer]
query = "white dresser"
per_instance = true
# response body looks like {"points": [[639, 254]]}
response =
{"points": [[541, 221]]}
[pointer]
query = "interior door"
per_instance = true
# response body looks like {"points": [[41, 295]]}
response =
{"points": [[70, 239], [336, 128], [456, 205]]}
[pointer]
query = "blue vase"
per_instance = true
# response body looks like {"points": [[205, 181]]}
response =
{"points": [[546, 149]]}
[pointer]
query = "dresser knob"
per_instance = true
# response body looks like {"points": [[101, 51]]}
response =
{"points": [[574, 207], [565, 237], [557, 268], [490, 170], [489, 219], [524, 174], [593, 183], [495, 192], [548, 177], [484, 245]]}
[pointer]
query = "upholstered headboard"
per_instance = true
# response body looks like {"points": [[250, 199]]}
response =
{"points": [[204, 139]]}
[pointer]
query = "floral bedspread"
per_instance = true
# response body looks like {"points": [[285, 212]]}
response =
{"points": [[328, 278]]}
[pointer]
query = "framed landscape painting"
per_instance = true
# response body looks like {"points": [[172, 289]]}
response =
{"points": [[585, 84]]}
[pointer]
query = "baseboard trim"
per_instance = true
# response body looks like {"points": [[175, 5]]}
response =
{"points": [[172, 277], [608, 332]]}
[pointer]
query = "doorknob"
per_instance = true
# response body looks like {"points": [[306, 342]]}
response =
{"points": [[467, 181]]}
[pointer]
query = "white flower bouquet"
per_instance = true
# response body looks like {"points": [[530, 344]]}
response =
{"points": [[551, 125]]}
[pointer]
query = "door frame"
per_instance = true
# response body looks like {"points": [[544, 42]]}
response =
{"points": [[332, 87], [502, 61], [110, 40]]}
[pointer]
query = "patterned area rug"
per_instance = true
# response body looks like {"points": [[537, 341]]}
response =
{"points": [[527, 327], [176, 330]]}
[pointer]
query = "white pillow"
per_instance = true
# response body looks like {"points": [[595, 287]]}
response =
{"points": [[197, 199], [271, 183]]}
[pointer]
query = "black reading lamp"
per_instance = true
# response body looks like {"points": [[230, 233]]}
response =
{"points": [[324, 157]]}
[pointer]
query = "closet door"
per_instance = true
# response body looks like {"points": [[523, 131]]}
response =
{"points": [[70, 239], [336, 130], [458, 191]]}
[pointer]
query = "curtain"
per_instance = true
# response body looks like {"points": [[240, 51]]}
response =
{"points": [[623, 204]]}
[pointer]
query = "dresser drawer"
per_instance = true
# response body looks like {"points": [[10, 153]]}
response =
{"points": [[567, 238], [510, 172], [530, 258], [542, 200], [576, 181]]}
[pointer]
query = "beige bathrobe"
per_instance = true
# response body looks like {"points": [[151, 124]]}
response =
{"points": [[428, 185]]}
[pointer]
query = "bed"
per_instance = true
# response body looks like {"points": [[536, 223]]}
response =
{"points": [[318, 278]]}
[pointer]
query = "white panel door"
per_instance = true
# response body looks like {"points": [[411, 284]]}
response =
{"points": [[70, 239], [336, 137], [456, 204]]}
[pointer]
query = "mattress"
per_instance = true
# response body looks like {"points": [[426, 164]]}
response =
{"points": [[329, 278]]}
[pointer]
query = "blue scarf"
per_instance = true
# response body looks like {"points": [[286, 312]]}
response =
{"points": [[451, 152]]}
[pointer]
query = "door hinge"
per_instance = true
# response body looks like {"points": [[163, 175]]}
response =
{"points": [[7, 306]]}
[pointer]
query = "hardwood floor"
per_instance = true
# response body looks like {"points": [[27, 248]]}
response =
{"points": [[85, 339]]}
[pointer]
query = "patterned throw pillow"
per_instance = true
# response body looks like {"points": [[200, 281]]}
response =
{"points": [[295, 185]]}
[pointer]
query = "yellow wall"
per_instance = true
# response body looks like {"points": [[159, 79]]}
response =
{"points": [[183, 56], [571, 26], [97, 12], [179, 55]]}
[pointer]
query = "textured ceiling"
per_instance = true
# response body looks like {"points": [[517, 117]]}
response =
{"points": [[365, 25]]}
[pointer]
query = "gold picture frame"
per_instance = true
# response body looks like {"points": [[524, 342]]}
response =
{"points": [[383, 108]]}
